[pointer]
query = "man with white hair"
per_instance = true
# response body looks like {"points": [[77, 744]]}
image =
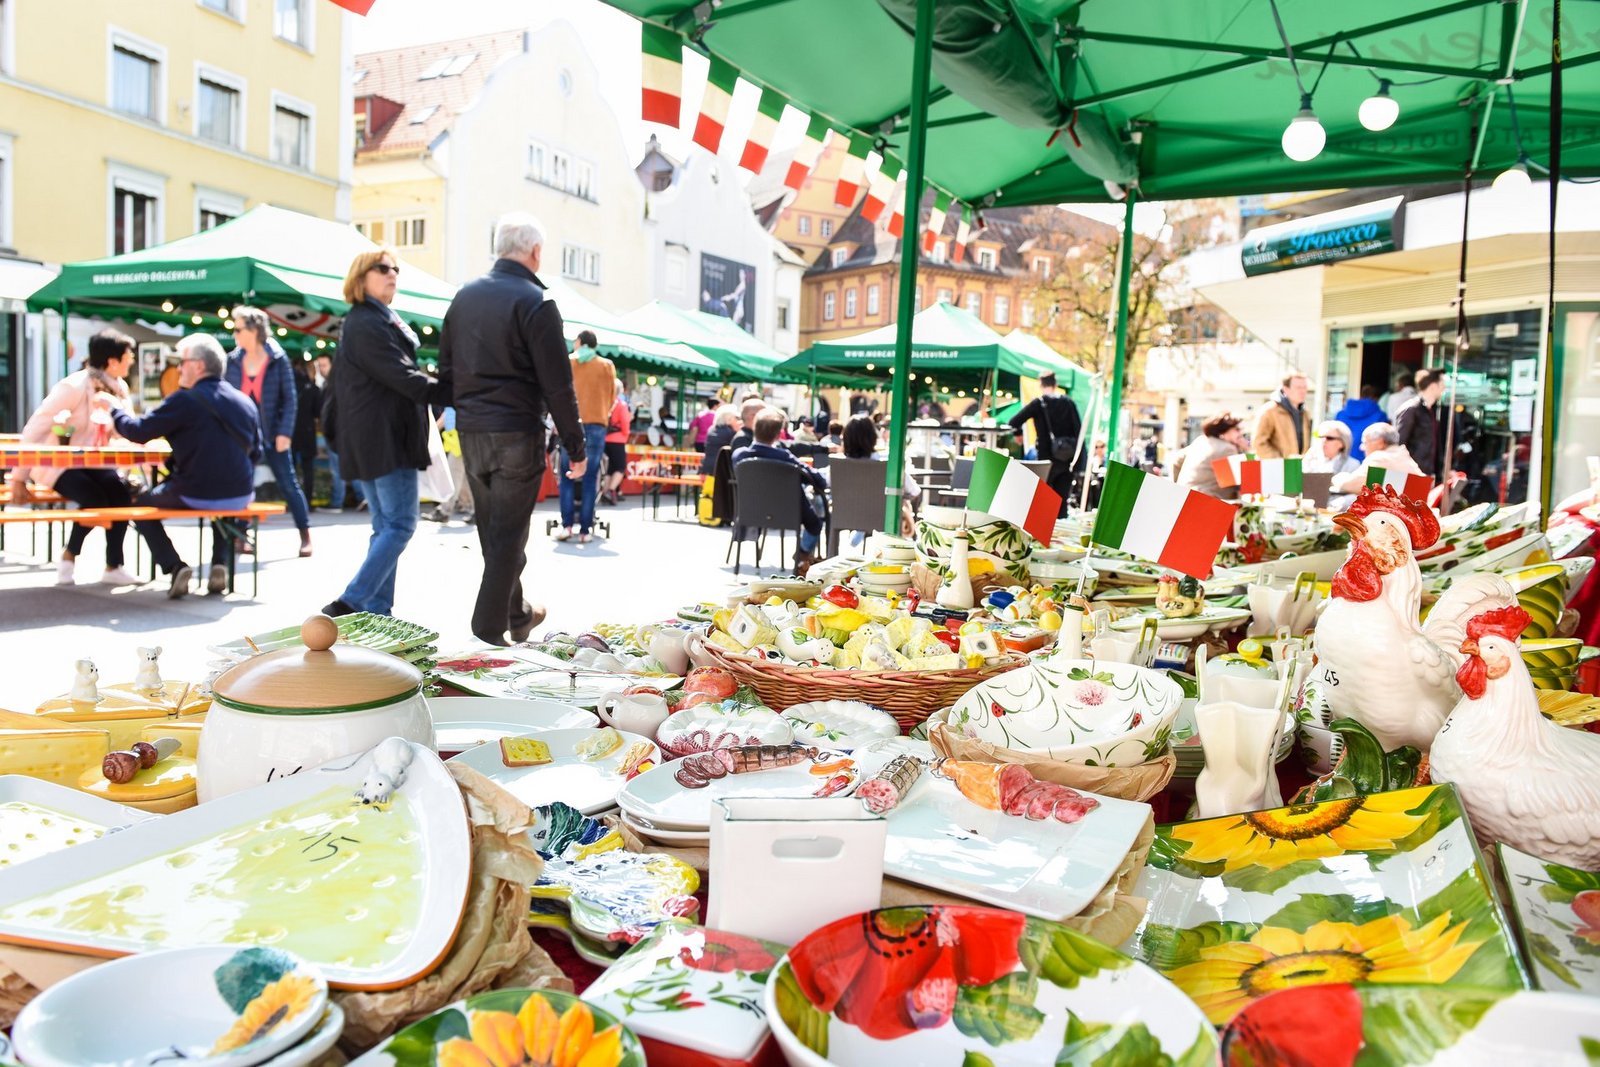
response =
{"points": [[1383, 449], [504, 356], [215, 436]]}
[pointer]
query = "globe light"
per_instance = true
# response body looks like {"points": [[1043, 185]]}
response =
{"points": [[196, 319], [166, 305], [1378, 111], [427, 330], [1304, 137], [282, 332], [870, 367], [1515, 178], [321, 343], [228, 324]]}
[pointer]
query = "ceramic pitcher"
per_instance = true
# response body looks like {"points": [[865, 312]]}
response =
{"points": [[670, 647], [634, 713], [1240, 742]]}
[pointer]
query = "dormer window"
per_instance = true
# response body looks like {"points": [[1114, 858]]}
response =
{"points": [[986, 258], [839, 256]]}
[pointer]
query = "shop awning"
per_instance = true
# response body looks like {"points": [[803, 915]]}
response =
{"points": [[625, 347], [20, 279], [742, 356], [1073, 379]]}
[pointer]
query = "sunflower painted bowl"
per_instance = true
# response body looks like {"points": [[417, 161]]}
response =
{"points": [[1077, 711], [941, 985], [511, 1026]]}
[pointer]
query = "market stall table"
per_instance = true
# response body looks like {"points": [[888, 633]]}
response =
{"points": [[14, 453]]}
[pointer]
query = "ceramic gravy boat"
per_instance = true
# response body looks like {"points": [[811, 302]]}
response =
{"points": [[634, 713]]}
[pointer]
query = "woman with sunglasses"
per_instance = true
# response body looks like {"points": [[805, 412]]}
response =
{"points": [[379, 407]]}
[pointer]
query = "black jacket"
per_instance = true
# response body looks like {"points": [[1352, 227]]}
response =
{"points": [[1060, 418], [505, 360], [1418, 427], [719, 438], [215, 436], [308, 405], [378, 405]]}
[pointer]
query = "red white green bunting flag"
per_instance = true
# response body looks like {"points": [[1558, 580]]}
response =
{"points": [[714, 104], [1007, 489], [360, 7], [936, 217], [1411, 486], [1275, 476], [1155, 518], [963, 235], [769, 110], [807, 152], [880, 189], [1228, 469], [663, 75], [852, 171], [897, 202]]}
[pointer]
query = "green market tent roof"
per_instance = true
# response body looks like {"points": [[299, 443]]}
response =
{"points": [[944, 339], [743, 357], [626, 347], [1073, 379]]}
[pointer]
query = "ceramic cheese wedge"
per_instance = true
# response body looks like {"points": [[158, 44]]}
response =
{"points": [[38, 818], [360, 866], [49, 749]]}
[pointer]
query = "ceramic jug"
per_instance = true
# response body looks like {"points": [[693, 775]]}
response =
{"points": [[1239, 743], [670, 647], [634, 713]]}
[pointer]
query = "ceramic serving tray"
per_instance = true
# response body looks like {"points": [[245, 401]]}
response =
{"points": [[1383, 888], [722, 725], [1212, 618], [460, 723], [588, 785], [372, 893], [662, 800], [840, 724], [486, 671], [379, 632], [1557, 909], [39, 817]]}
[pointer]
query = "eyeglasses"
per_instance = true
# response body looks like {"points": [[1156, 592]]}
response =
{"points": [[191, 359], [386, 268]]}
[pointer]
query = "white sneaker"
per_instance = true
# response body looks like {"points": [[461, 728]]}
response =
{"points": [[64, 572], [119, 576]]}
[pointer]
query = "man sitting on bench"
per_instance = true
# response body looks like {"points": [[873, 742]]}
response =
{"points": [[216, 441]]}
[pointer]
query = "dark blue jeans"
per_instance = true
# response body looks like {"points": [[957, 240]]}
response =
{"points": [[594, 446], [282, 466], [166, 496], [393, 501]]}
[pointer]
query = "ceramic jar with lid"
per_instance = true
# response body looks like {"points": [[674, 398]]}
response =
{"points": [[293, 709]]}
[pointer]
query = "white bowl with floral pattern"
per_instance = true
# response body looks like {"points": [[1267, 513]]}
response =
{"points": [[1074, 710]]}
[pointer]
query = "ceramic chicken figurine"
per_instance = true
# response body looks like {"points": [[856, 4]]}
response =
{"points": [[1377, 663], [1523, 779], [1179, 598]]}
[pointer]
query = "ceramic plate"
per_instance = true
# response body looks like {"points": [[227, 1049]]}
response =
{"points": [[460, 723], [1388, 887], [239, 1006], [1212, 618], [39, 817], [1558, 910], [316, 1044], [576, 686], [1414, 1026], [480, 1029], [678, 838], [721, 725], [658, 797], [7, 1058], [379, 632], [840, 724], [934, 986], [589, 786], [370, 893]]}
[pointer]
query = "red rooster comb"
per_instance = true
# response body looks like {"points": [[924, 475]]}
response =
{"points": [[1420, 520], [1501, 622]]}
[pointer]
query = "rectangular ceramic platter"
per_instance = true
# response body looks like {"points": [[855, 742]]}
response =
{"points": [[1562, 948], [39, 817], [591, 786], [398, 635], [372, 894]]}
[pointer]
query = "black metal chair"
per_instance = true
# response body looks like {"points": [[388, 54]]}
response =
{"points": [[766, 497], [960, 482], [1041, 467], [857, 490]]}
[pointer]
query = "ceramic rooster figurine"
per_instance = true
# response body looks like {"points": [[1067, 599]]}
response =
{"points": [[1523, 779], [1379, 665]]}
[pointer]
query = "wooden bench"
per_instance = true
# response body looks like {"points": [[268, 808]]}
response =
{"points": [[654, 469]]}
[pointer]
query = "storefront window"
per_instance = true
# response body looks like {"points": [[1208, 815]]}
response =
{"points": [[1577, 397]]}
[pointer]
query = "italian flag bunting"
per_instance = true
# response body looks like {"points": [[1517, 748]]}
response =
{"points": [[1411, 486], [360, 7], [807, 152], [769, 111], [1007, 489], [1155, 518], [897, 204], [714, 104], [852, 171], [1228, 469], [963, 234], [1276, 476], [936, 217], [880, 189], [663, 75]]}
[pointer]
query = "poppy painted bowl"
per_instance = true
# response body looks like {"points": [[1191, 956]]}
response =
{"points": [[947, 984]]}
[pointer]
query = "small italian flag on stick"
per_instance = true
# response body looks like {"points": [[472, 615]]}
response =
{"points": [[1155, 518], [963, 235], [936, 217], [1007, 489], [1411, 486], [1271, 476], [663, 75], [897, 207], [714, 104], [852, 171], [880, 189], [807, 152], [769, 111], [1229, 468]]}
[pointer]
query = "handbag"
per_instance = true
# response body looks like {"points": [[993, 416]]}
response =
{"points": [[1061, 449]]}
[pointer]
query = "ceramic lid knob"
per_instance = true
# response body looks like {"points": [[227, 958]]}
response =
{"points": [[318, 633]]}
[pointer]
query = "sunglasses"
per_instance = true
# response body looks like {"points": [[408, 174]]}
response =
{"points": [[385, 268]]}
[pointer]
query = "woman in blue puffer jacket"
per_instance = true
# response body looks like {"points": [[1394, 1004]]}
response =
{"points": [[260, 369]]}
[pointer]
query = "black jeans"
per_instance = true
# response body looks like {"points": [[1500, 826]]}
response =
{"points": [[166, 557], [96, 488], [504, 471]]}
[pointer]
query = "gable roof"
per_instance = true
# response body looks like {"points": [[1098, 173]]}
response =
{"points": [[454, 82]]}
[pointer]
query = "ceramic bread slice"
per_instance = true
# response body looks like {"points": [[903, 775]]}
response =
{"points": [[50, 749]]}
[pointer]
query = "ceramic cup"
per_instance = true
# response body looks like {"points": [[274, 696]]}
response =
{"points": [[634, 713]]}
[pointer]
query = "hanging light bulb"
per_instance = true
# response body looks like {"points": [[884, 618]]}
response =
{"points": [[1378, 111], [870, 366], [196, 319], [651, 380], [222, 313], [228, 325], [1304, 137], [1515, 178], [426, 329], [282, 332], [166, 305], [321, 343]]}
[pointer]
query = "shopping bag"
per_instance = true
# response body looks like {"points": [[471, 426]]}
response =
{"points": [[435, 483]]}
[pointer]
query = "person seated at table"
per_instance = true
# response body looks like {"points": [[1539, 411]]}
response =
{"points": [[66, 418], [860, 440], [1381, 442], [215, 436], [722, 433], [749, 408], [769, 423]]}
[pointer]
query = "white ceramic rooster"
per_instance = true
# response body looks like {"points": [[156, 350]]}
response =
{"points": [[1523, 779], [1379, 665]]}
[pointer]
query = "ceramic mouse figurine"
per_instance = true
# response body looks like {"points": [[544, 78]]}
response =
{"points": [[148, 680], [390, 758], [85, 683]]}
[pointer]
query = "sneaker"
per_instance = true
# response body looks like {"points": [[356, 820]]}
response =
{"points": [[337, 608], [564, 533], [119, 576], [64, 572], [437, 515], [217, 580], [180, 582]]}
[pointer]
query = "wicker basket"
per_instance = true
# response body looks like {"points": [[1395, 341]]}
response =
{"points": [[910, 696]]}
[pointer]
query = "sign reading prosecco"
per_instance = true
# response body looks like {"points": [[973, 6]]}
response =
{"points": [[1349, 233]]}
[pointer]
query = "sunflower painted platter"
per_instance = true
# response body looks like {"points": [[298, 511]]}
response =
{"points": [[240, 1006], [1387, 888], [1557, 909], [1413, 1026], [945, 984], [511, 1026]]}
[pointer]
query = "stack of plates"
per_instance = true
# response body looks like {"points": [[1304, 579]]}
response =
{"points": [[657, 807], [881, 578]]}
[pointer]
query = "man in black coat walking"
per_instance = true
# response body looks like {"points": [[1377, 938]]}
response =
{"points": [[1056, 426], [1417, 423]]}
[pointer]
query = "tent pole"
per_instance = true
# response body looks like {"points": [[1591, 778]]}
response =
{"points": [[1549, 410], [813, 393], [910, 245], [1119, 366], [66, 355]]}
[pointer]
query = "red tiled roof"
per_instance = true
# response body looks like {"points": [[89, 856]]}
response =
{"points": [[395, 75]]}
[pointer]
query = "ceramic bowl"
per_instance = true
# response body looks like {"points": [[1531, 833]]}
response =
{"points": [[476, 1029], [1544, 601], [709, 726], [1552, 653], [1114, 714], [844, 725], [1577, 569], [316, 1044], [228, 997], [1566, 679], [940, 985]]}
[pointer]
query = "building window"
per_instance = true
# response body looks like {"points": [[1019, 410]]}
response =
{"points": [[410, 233], [1027, 314], [1041, 266], [580, 264], [828, 306], [825, 228], [850, 303], [372, 230], [583, 179], [212, 208], [229, 8], [538, 160], [783, 315], [136, 77], [1002, 310], [938, 254], [986, 258], [975, 304], [560, 170], [803, 225], [946, 296], [838, 256], [135, 209], [291, 134], [211, 218], [421, 116], [219, 111], [291, 22], [8, 11], [874, 302]]}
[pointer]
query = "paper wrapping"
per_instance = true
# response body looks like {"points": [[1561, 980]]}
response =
{"points": [[927, 581], [1139, 782]]}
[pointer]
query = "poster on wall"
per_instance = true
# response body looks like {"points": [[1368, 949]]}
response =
{"points": [[728, 289]]}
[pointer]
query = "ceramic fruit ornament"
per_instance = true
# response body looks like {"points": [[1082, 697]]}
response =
{"points": [[1179, 597], [713, 681]]}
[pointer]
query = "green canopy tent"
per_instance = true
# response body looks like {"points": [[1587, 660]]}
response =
{"points": [[625, 347], [740, 355], [1073, 379]]}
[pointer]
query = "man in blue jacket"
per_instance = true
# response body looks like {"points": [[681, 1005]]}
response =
{"points": [[216, 440], [1359, 413]]}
